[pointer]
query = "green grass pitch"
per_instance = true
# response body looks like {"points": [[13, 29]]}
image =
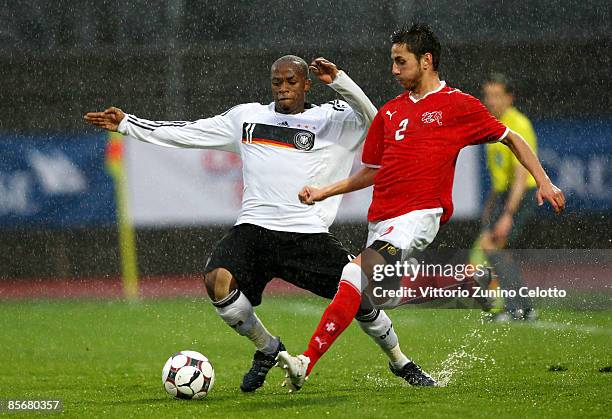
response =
{"points": [[105, 359]]}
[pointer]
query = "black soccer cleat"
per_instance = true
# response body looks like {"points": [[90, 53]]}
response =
{"points": [[530, 315], [518, 314], [414, 375], [255, 377]]}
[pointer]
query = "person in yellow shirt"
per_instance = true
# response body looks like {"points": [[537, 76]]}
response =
{"points": [[510, 204]]}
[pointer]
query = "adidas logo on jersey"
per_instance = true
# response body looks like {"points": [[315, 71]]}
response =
{"points": [[283, 124]]}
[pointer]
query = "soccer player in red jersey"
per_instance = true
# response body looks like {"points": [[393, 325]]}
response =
{"points": [[409, 156]]}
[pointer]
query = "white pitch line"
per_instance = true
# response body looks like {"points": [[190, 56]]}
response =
{"points": [[305, 308], [596, 330]]}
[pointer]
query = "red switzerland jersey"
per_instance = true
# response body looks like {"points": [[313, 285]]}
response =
{"points": [[415, 143]]}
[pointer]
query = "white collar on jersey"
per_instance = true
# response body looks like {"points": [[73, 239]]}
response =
{"points": [[307, 106], [442, 85]]}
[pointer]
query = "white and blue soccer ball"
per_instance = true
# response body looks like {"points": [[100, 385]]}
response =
{"points": [[188, 375]]}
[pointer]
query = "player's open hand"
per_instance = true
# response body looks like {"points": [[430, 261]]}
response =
{"points": [[552, 194], [325, 70], [502, 228], [108, 119], [309, 195]]}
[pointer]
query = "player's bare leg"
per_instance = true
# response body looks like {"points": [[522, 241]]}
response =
{"points": [[236, 310]]}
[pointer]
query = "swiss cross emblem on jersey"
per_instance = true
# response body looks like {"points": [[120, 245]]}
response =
{"points": [[431, 117]]}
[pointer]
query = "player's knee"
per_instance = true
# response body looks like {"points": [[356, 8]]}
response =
{"points": [[209, 282], [379, 253], [353, 274], [219, 284]]}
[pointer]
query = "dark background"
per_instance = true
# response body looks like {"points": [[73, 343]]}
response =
{"points": [[191, 59], [188, 59]]}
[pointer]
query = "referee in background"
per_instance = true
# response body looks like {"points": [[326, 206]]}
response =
{"points": [[507, 210]]}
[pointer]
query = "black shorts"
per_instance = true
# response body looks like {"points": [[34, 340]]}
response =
{"points": [[255, 255]]}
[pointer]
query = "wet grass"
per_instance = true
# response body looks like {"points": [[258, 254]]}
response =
{"points": [[105, 359]]}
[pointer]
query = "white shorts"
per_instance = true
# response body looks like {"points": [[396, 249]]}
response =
{"points": [[411, 231]]}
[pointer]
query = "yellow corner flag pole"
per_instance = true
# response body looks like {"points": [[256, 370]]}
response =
{"points": [[127, 242]]}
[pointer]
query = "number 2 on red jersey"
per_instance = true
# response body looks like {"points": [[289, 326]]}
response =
{"points": [[403, 125]]}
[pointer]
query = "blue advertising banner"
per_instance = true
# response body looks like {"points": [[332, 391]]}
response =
{"points": [[54, 181], [577, 155], [61, 181]]}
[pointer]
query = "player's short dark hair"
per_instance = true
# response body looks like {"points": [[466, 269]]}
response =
{"points": [[299, 61], [419, 39], [500, 78]]}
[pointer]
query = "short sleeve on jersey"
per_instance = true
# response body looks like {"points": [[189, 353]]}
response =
{"points": [[374, 143], [478, 124]]}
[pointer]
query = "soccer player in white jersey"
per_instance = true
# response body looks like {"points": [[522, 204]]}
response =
{"points": [[283, 145]]}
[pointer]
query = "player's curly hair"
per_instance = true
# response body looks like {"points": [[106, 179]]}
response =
{"points": [[419, 39]]}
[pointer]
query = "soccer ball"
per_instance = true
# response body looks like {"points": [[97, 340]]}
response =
{"points": [[188, 375]]}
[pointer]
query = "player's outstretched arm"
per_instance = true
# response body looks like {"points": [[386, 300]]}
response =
{"points": [[221, 132], [108, 119], [547, 191], [359, 180], [328, 73]]}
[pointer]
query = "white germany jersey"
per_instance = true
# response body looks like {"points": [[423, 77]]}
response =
{"points": [[280, 153]]}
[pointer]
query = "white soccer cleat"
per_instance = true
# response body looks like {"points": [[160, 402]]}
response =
{"points": [[295, 369]]}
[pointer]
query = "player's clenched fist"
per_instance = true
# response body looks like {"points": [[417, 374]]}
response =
{"points": [[325, 70], [309, 195], [552, 194], [108, 119]]}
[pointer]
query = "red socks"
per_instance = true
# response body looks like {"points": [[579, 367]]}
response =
{"points": [[337, 317]]}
